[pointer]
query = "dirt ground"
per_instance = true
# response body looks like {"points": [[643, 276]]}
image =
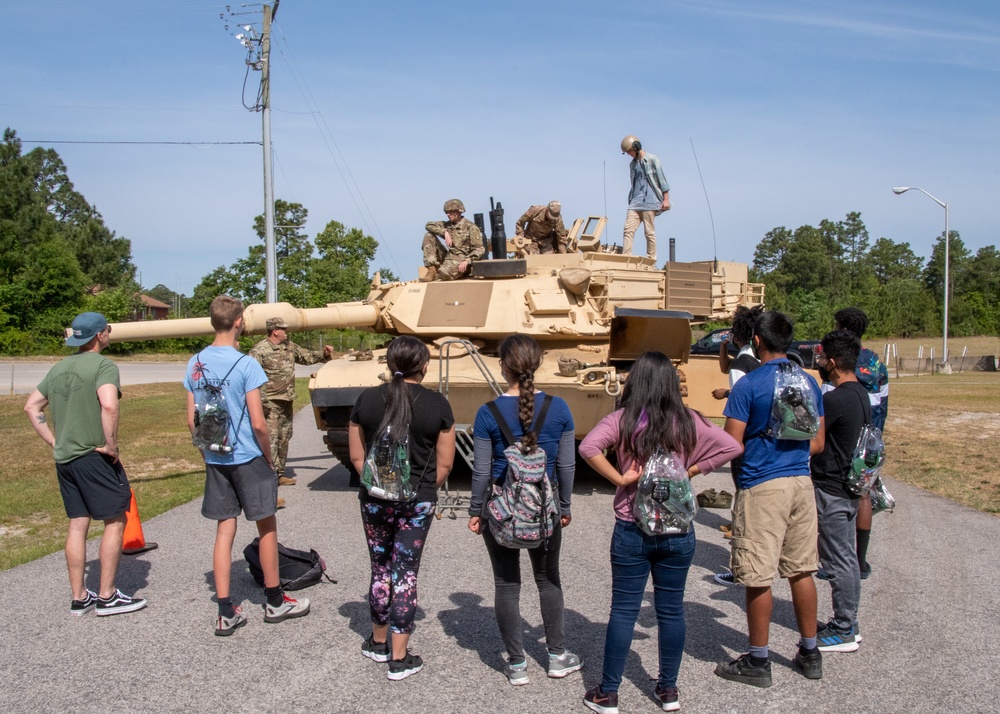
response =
{"points": [[941, 436]]}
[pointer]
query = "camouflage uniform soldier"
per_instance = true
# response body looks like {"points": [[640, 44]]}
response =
{"points": [[463, 243], [543, 226], [278, 355]]}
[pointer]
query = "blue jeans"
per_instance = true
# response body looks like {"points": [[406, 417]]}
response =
{"points": [[633, 555]]}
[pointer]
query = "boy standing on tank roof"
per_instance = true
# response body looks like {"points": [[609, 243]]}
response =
{"points": [[648, 197], [243, 479]]}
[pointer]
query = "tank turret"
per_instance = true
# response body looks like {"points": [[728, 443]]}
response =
{"points": [[593, 312]]}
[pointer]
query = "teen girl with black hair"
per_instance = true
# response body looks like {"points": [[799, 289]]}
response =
{"points": [[651, 417], [396, 531], [520, 406]]}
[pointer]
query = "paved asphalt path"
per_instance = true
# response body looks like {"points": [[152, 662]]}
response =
{"points": [[22, 376], [927, 613]]}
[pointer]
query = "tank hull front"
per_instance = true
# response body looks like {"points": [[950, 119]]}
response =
{"points": [[590, 393]]}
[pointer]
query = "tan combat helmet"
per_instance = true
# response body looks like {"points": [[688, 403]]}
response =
{"points": [[631, 143], [554, 209], [453, 204]]}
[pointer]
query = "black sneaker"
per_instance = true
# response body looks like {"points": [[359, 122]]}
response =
{"points": [[668, 697], [809, 662], [119, 603], [375, 651], [601, 702], [82, 607], [403, 668], [866, 571], [745, 671]]}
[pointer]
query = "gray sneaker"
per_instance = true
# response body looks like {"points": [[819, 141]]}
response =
{"points": [[561, 665], [516, 674]]}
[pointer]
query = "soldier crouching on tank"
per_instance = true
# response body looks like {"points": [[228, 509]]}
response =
{"points": [[278, 355], [544, 229], [463, 244]]}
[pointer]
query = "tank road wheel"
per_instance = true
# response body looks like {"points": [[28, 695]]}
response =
{"points": [[336, 441]]}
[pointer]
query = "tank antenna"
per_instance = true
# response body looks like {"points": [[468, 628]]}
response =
{"points": [[605, 188], [715, 248]]}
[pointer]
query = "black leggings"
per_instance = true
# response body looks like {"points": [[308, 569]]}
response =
{"points": [[507, 581]]}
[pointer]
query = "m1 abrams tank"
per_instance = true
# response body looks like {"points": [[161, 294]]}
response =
{"points": [[593, 313]]}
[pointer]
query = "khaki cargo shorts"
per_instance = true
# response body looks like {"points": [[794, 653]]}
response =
{"points": [[774, 531]]}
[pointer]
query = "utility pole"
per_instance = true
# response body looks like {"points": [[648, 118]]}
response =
{"points": [[271, 274]]}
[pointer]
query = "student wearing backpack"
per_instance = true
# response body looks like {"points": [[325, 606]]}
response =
{"points": [[536, 421], [651, 418], [847, 409], [242, 478], [874, 377], [774, 515], [396, 530]]}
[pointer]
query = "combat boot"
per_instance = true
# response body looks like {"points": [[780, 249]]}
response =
{"points": [[430, 276]]}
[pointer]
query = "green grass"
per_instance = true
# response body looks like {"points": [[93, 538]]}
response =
{"points": [[165, 470]]}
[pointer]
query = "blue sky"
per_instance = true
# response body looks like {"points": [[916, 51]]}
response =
{"points": [[798, 111]]}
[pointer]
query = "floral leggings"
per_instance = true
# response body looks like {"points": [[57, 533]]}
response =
{"points": [[396, 533]]}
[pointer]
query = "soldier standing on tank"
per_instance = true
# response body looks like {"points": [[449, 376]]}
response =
{"points": [[648, 197], [278, 355], [543, 226], [463, 244]]}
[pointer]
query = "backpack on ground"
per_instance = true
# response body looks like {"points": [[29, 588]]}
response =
{"points": [[794, 408], [211, 415], [664, 500], [521, 511], [386, 473], [297, 569]]}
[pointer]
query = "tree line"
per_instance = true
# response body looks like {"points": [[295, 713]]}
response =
{"points": [[812, 272], [58, 258]]}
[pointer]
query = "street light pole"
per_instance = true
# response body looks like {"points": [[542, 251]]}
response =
{"points": [[947, 260]]}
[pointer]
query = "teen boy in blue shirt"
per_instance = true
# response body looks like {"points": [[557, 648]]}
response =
{"points": [[774, 515]]}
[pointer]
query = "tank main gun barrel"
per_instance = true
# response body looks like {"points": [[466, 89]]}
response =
{"points": [[336, 316]]}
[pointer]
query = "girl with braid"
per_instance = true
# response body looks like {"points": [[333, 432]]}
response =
{"points": [[396, 531], [521, 407]]}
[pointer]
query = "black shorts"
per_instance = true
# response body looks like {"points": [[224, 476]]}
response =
{"points": [[94, 485], [251, 487]]}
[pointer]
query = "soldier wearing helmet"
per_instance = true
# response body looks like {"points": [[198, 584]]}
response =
{"points": [[648, 197], [463, 244], [543, 227]]}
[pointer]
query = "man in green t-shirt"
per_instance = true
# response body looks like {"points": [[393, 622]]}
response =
{"points": [[82, 394]]}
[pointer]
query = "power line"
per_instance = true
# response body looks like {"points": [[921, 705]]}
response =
{"points": [[147, 143], [318, 117]]}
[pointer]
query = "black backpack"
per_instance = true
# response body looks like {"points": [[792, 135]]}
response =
{"points": [[297, 569]]}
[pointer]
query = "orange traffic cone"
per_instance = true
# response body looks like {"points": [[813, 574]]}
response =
{"points": [[133, 542]]}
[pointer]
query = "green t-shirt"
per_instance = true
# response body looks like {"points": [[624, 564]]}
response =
{"points": [[71, 388]]}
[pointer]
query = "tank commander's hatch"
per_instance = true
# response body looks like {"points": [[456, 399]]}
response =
{"points": [[587, 237], [458, 303], [634, 331]]}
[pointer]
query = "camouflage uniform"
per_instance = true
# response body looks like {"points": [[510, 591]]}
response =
{"points": [[546, 233], [466, 244], [278, 394]]}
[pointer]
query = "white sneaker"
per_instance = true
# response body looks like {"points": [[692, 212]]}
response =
{"points": [[225, 626], [288, 609], [561, 665]]}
